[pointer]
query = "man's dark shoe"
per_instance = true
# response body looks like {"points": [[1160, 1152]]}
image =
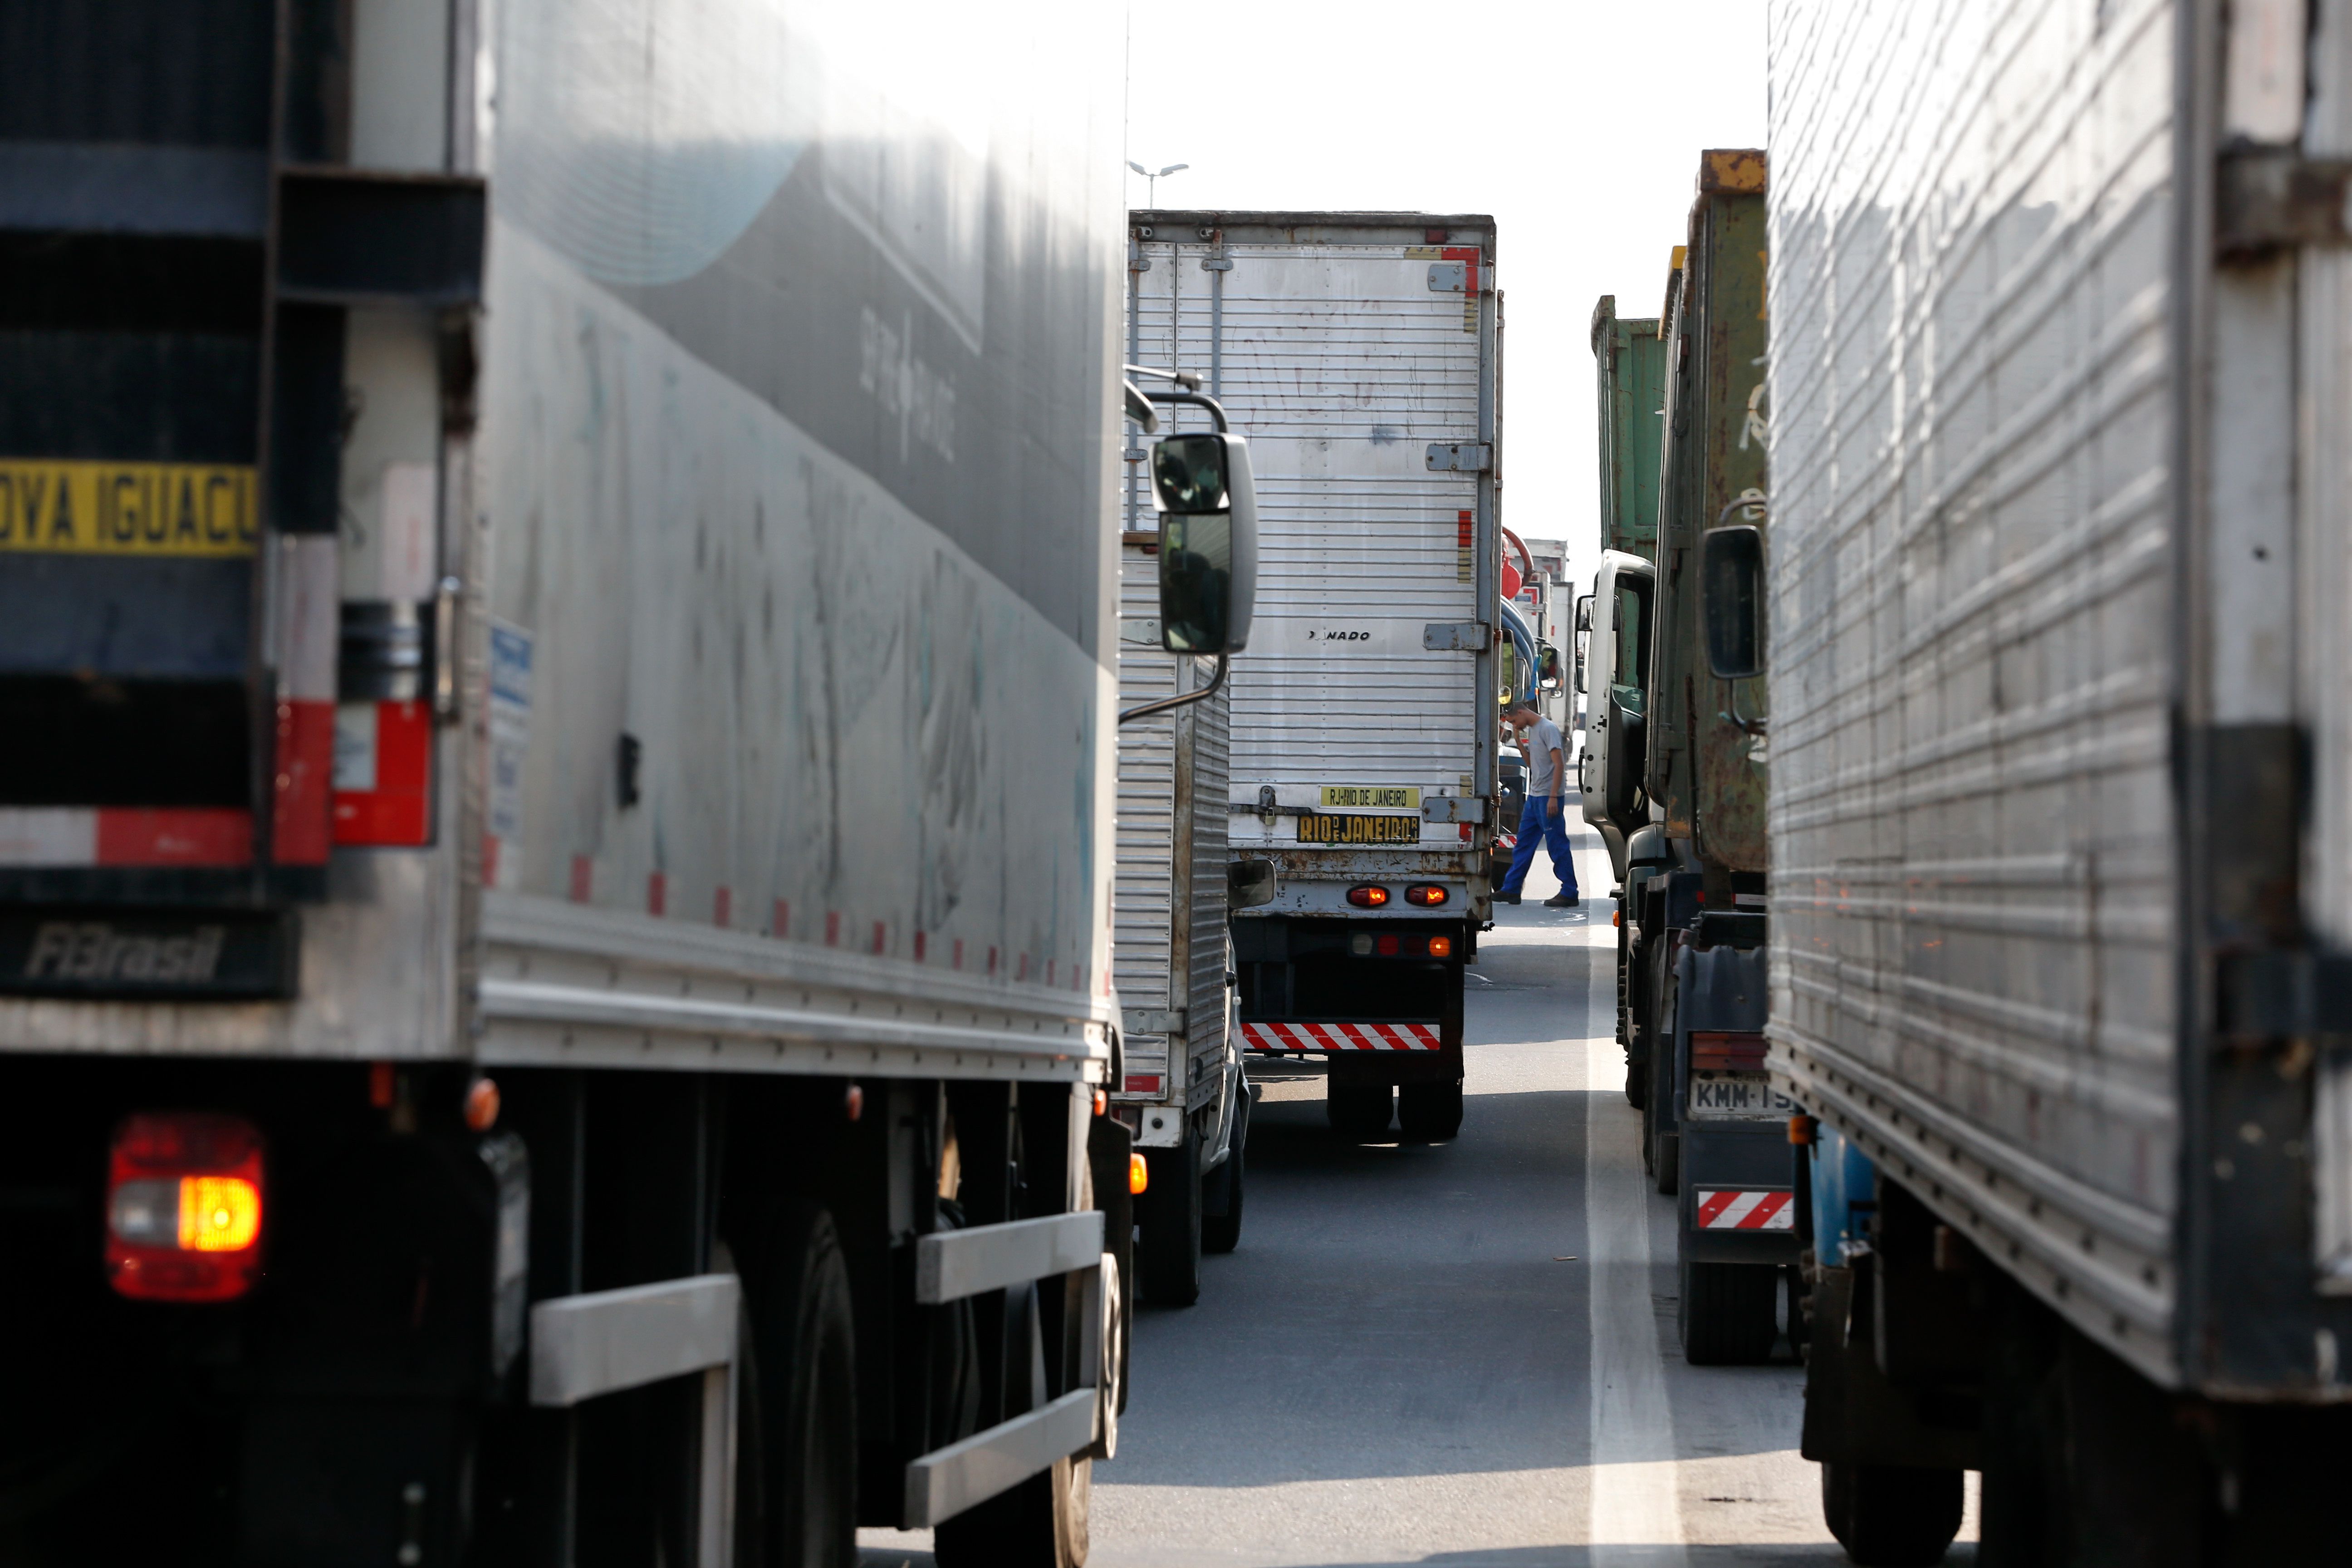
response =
{"points": [[1560, 902], [1506, 898]]}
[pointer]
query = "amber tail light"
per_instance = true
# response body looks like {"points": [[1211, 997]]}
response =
{"points": [[183, 1207]]}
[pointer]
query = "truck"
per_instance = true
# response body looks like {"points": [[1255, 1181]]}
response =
{"points": [[1613, 622], [1182, 1093], [1361, 351], [556, 838], [2059, 731], [1676, 740]]}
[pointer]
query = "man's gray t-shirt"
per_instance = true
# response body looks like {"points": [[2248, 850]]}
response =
{"points": [[1542, 738]]}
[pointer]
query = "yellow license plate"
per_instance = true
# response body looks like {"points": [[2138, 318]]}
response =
{"points": [[77, 507], [1371, 798], [1322, 828]]}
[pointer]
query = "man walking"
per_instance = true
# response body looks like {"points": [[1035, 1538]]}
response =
{"points": [[1543, 818]]}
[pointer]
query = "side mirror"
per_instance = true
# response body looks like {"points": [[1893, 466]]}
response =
{"points": [[1731, 600], [1201, 484], [1584, 613], [1249, 883]]}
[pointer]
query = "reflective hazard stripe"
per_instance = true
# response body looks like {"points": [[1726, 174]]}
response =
{"points": [[1745, 1210], [125, 836], [1365, 1036]]}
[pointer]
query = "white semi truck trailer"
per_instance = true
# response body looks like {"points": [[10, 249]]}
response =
{"points": [[2059, 805], [1361, 354], [557, 629]]}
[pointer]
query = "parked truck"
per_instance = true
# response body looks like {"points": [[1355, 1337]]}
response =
{"points": [[1679, 754], [1182, 1092], [557, 631], [2060, 720], [1612, 623], [1362, 353]]}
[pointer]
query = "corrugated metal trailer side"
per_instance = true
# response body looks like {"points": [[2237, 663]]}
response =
{"points": [[1169, 909], [2058, 533], [1181, 1067]]}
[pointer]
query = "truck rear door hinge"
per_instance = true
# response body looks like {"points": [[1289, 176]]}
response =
{"points": [[1449, 277], [2270, 198], [1460, 456], [2281, 993], [1457, 637], [1153, 1020]]}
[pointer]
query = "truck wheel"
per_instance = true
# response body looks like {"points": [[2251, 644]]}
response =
{"points": [[796, 1473], [1728, 1313], [1892, 1516], [1357, 1112], [1221, 1199], [1429, 1112], [1168, 1256]]}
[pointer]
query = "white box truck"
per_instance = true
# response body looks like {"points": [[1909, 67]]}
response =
{"points": [[2061, 717], [1361, 353], [1182, 1092], [557, 637]]}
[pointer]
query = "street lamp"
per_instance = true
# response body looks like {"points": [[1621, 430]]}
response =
{"points": [[1151, 185]]}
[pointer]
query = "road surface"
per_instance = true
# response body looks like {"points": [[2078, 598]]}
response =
{"points": [[1462, 1354]]}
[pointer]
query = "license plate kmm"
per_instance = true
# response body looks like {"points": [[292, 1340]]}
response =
{"points": [[1737, 1096], [1323, 827]]}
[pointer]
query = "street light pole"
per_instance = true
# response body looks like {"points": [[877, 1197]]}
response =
{"points": [[1151, 180]]}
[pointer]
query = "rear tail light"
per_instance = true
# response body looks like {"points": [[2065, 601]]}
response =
{"points": [[1441, 947], [1368, 898], [1426, 895], [1386, 946], [183, 1196], [1728, 1050]]}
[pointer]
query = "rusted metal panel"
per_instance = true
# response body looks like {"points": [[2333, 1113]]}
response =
{"points": [[1705, 770], [1629, 359]]}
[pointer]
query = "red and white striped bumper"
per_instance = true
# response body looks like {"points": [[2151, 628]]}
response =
{"points": [[125, 835], [1747, 1211], [1341, 1036]]}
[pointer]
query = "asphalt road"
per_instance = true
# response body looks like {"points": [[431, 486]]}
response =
{"points": [[1464, 1353]]}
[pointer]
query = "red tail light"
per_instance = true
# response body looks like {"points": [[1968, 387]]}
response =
{"points": [[1386, 946], [183, 1196], [1368, 898], [1427, 896], [1729, 1050]]}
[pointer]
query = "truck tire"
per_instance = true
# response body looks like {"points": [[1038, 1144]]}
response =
{"points": [[1107, 1148], [1357, 1112], [1042, 1521], [1221, 1191], [1429, 1112], [1168, 1255], [1892, 1516], [1727, 1312], [796, 1474]]}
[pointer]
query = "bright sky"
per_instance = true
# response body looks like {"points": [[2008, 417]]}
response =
{"points": [[1578, 125]]}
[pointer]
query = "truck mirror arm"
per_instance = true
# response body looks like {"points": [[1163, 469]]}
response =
{"points": [[1165, 703]]}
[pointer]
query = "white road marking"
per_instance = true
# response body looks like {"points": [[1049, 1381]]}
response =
{"points": [[1635, 1490]]}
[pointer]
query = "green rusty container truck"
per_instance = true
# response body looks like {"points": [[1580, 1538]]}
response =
{"points": [[1681, 772]]}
